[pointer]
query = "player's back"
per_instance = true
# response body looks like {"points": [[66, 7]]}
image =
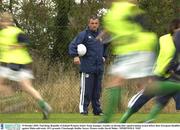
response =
{"points": [[9, 54], [126, 21]]}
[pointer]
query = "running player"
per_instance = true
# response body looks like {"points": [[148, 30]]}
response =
{"points": [[166, 69], [16, 61], [134, 50]]}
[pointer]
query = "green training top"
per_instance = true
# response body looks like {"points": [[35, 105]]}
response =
{"points": [[166, 55], [120, 22], [8, 38]]}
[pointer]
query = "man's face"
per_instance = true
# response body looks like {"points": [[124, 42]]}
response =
{"points": [[93, 24]]}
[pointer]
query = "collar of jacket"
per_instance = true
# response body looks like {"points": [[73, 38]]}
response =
{"points": [[87, 29]]}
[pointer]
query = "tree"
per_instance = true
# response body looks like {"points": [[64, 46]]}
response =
{"points": [[160, 12], [1, 7], [61, 30]]}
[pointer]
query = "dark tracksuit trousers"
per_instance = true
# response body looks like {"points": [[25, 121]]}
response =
{"points": [[139, 100], [90, 92]]}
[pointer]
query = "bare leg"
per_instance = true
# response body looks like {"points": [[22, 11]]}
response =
{"points": [[114, 81], [5, 90], [27, 86]]}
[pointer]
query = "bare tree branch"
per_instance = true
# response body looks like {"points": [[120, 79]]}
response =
{"points": [[10, 6], [11, 10], [81, 3]]}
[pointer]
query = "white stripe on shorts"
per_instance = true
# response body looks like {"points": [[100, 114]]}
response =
{"points": [[135, 98]]}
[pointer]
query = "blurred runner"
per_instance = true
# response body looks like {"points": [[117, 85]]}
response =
{"points": [[166, 69], [15, 61], [134, 48]]}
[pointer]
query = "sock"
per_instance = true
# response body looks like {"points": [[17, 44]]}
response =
{"points": [[112, 103], [169, 86], [154, 112], [41, 104], [126, 115], [164, 87]]}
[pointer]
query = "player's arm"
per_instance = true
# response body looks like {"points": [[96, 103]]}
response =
{"points": [[22, 40], [177, 44], [105, 51], [163, 62], [177, 40], [101, 35]]}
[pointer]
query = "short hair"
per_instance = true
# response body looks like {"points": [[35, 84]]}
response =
{"points": [[6, 16], [174, 24], [93, 17]]}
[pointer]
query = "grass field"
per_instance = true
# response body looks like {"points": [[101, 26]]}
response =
{"points": [[77, 118]]}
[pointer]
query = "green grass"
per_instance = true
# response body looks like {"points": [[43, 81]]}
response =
{"points": [[77, 118]]}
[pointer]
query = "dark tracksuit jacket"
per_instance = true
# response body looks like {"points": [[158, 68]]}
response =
{"points": [[91, 69]]}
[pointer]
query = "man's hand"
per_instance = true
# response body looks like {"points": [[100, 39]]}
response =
{"points": [[77, 60]]}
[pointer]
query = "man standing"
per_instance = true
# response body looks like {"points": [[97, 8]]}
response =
{"points": [[91, 66]]}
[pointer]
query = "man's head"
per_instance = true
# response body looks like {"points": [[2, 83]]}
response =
{"points": [[174, 25], [93, 23], [132, 1], [6, 19]]}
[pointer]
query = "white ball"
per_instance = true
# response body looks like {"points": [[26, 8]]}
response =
{"points": [[81, 49]]}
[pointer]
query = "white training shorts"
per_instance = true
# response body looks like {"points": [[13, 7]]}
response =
{"points": [[133, 65], [19, 75]]}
